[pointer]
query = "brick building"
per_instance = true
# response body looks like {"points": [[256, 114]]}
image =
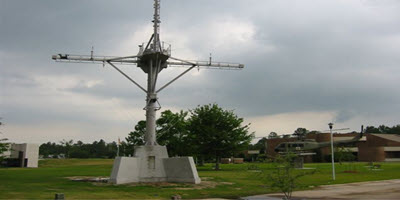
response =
{"points": [[371, 147], [379, 147]]}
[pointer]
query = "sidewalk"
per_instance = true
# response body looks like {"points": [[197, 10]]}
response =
{"points": [[388, 189]]}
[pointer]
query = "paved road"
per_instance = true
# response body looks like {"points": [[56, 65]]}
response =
{"points": [[389, 189]]}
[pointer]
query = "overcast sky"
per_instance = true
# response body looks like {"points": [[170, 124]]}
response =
{"points": [[307, 63]]}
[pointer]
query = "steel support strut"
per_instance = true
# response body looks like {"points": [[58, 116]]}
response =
{"points": [[169, 83], [120, 71]]}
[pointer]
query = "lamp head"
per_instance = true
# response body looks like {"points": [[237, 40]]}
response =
{"points": [[330, 125]]}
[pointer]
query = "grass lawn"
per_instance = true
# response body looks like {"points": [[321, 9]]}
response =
{"points": [[233, 181]]}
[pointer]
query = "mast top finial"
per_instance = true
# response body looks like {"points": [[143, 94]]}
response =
{"points": [[156, 22]]}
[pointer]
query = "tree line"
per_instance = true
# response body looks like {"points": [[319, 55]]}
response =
{"points": [[383, 129], [302, 132], [3, 144], [69, 149], [207, 133]]}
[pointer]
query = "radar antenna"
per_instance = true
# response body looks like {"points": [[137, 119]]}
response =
{"points": [[152, 59]]}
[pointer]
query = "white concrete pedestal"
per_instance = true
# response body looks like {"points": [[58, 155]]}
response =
{"points": [[151, 164], [122, 170]]}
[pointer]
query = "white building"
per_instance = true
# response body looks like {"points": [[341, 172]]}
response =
{"points": [[28, 154]]}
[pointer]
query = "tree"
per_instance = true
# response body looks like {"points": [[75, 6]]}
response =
{"points": [[260, 145], [136, 137], [286, 136], [371, 129], [3, 145], [111, 149], [272, 135], [46, 149], [123, 149], [343, 154], [99, 149], [383, 129], [314, 132], [216, 132], [77, 152], [301, 133], [395, 129], [172, 132], [67, 146]]}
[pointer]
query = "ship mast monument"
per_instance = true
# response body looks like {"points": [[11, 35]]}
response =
{"points": [[150, 162]]}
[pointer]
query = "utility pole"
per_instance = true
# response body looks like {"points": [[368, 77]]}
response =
{"points": [[152, 59], [333, 154]]}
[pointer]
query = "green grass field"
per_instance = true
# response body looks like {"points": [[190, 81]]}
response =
{"points": [[234, 180]]}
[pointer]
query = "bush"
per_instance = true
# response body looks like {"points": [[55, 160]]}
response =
{"points": [[284, 176]]}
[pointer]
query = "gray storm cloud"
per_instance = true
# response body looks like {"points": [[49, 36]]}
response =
{"points": [[300, 56]]}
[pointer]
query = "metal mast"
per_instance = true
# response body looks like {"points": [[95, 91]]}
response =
{"points": [[152, 60]]}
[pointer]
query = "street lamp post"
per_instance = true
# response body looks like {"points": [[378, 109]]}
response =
{"points": [[333, 155]]}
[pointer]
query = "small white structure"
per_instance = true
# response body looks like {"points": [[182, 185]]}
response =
{"points": [[28, 153]]}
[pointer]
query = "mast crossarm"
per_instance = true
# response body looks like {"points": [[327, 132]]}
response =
{"points": [[183, 61], [193, 64], [100, 59], [94, 59], [205, 64]]}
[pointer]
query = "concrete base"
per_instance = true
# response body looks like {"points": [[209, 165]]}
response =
{"points": [[151, 164], [181, 169], [122, 170]]}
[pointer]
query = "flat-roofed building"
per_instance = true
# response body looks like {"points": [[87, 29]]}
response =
{"points": [[380, 147], [370, 148]]}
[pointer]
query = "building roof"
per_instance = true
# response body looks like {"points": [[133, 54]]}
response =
{"points": [[393, 137]]}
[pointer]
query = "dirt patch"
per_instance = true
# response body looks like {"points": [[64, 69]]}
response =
{"points": [[160, 184], [204, 185], [95, 179], [207, 178], [206, 182]]}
